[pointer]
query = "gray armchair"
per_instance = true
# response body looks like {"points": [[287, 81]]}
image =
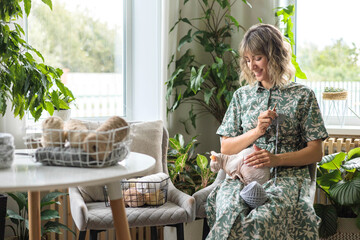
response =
{"points": [[87, 203]]}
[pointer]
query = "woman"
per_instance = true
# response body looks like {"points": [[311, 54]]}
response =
{"points": [[283, 119]]}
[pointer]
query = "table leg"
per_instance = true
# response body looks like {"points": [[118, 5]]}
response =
{"points": [[34, 215], [118, 210]]}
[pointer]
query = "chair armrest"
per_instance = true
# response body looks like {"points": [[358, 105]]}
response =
{"points": [[201, 195], [183, 200], [78, 208]]}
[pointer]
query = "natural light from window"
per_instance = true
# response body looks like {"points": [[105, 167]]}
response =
{"points": [[328, 52], [85, 39]]}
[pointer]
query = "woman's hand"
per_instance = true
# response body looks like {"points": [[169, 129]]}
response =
{"points": [[264, 121], [262, 158]]}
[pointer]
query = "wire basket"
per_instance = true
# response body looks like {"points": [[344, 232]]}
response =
{"points": [[78, 148], [142, 193]]}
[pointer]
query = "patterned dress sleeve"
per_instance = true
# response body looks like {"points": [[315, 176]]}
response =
{"points": [[311, 122], [231, 124]]}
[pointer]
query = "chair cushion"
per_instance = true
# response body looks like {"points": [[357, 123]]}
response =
{"points": [[147, 139], [100, 216]]}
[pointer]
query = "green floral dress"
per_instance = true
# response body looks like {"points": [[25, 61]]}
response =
{"points": [[288, 213]]}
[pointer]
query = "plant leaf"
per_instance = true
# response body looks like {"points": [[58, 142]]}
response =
{"points": [[50, 196], [202, 162], [49, 214], [346, 192], [53, 226], [181, 162], [48, 2], [186, 39], [332, 161], [355, 152], [328, 179], [328, 215], [351, 164], [27, 6]]}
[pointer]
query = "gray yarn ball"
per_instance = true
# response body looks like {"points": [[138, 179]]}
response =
{"points": [[254, 194]]}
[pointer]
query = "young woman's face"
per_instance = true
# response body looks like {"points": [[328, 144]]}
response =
{"points": [[258, 65]]}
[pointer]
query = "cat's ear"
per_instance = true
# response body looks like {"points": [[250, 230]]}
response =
{"points": [[256, 148]]}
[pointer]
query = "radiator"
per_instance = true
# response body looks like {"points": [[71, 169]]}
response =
{"points": [[334, 144]]}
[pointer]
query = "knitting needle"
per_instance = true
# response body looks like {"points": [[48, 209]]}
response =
{"points": [[273, 107]]}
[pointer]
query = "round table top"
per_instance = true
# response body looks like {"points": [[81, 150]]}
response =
{"points": [[25, 174]]}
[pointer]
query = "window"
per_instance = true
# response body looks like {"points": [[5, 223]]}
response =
{"points": [[85, 39], [327, 49]]}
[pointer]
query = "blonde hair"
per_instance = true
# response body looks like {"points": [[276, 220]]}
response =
{"points": [[267, 40]]}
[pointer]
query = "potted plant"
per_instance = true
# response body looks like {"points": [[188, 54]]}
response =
{"points": [[58, 104], [331, 93], [338, 176], [25, 83], [19, 219], [188, 173]]}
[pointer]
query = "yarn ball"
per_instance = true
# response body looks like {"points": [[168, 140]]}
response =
{"points": [[254, 194], [133, 198], [53, 134], [155, 198]]}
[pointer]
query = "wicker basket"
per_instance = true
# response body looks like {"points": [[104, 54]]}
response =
{"points": [[335, 95]]}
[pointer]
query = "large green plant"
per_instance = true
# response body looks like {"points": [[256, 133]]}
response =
{"points": [[338, 176], [207, 86], [21, 229], [26, 83], [188, 172]]}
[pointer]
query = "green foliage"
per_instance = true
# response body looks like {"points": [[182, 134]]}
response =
{"points": [[339, 178], [285, 14], [206, 86], [332, 89], [336, 62], [188, 173], [72, 39], [23, 81], [20, 218]]}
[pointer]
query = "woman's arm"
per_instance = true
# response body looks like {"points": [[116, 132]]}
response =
{"points": [[310, 154], [234, 145]]}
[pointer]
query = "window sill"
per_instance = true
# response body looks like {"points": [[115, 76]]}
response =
{"points": [[345, 130]]}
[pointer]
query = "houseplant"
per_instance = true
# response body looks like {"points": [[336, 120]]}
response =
{"points": [[338, 176], [25, 83], [189, 173], [331, 93], [207, 86], [20, 218]]}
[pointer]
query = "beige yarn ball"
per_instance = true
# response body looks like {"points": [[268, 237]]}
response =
{"points": [[53, 134], [133, 198], [155, 198]]}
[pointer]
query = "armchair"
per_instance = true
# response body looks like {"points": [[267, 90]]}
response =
{"points": [[87, 203]]}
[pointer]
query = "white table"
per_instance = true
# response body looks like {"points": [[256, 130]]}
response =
{"points": [[27, 175]]}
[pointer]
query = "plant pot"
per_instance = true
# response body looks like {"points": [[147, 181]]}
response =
{"points": [[346, 230], [64, 114], [348, 225], [335, 95]]}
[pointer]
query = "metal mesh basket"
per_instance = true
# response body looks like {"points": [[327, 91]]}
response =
{"points": [[142, 193], [68, 148]]}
